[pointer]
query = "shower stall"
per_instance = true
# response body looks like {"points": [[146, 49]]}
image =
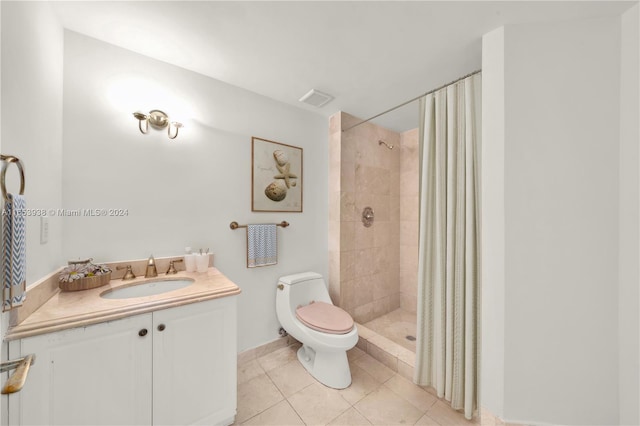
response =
{"points": [[393, 278], [373, 253]]}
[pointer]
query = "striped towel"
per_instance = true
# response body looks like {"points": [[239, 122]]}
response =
{"points": [[262, 245], [14, 254]]}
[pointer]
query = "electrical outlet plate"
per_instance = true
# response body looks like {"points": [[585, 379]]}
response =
{"points": [[44, 229]]}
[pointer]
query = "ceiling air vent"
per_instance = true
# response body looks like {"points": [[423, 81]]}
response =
{"points": [[316, 98]]}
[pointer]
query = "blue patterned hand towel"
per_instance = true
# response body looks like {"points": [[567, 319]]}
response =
{"points": [[262, 245], [14, 253]]}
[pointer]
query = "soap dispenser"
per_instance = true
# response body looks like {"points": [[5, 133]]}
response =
{"points": [[151, 268]]}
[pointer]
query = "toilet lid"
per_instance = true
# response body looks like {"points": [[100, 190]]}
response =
{"points": [[325, 317]]}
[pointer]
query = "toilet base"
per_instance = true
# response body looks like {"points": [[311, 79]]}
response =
{"points": [[329, 368]]}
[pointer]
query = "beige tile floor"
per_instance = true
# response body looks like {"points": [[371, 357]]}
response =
{"points": [[395, 326], [276, 390]]}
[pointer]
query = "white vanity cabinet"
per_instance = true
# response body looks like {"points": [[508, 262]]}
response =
{"points": [[100, 374], [194, 363], [171, 366]]}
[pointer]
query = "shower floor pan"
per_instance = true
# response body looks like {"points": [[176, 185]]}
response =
{"points": [[390, 353], [399, 326]]}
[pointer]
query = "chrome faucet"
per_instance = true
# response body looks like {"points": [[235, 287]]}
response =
{"points": [[151, 271]]}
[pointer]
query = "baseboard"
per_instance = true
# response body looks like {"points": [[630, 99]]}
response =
{"points": [[258, 351]]}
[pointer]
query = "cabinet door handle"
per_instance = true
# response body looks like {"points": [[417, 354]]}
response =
{"points": [[161, 327], [17, 379], [142, 332]]}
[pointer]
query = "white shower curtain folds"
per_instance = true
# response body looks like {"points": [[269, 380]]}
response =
{"points": [[449, 259]]}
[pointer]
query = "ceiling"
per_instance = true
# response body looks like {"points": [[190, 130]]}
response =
{"points": [[370, 56]]}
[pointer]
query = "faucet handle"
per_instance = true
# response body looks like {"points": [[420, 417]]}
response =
{"points": [[172, 268], [128, 275]]}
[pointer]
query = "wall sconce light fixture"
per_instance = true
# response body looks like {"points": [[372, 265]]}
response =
{"points": [[158, 120]]}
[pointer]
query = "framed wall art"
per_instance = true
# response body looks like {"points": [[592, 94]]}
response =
{"points": [[276, 176]]}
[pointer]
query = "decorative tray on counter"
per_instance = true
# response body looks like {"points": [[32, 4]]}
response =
{"points": [[86, 283], [83, 275]]}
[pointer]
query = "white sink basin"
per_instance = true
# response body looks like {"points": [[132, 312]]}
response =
{"points": [[147, 288]]}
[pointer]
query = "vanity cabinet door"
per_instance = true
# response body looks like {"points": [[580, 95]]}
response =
{"points": [[194, 363], [95, 375]]}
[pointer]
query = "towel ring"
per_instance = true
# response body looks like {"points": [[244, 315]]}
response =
{"points": [[6, 160]]}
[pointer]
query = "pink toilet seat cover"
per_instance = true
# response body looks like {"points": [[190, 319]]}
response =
{"points": [[325, 317]]}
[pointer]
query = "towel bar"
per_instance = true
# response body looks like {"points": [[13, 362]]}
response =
{"points": [[234, 225], [6, 160]]}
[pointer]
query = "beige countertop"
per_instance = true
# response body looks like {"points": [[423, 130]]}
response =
{"points": [[70, 309]]}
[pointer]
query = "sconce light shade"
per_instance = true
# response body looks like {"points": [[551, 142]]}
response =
{"points": [[142, 117], [158, 120]]}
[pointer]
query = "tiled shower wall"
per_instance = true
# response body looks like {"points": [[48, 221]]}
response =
{"points": [[364, 263], [409, 206]]}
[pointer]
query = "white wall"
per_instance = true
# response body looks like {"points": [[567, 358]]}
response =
{"points": [[183, 192], [493, 219], [628, 318], [32, 46], [560, 261]]}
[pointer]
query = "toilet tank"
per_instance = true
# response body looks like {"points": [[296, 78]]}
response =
{"points": [[303, 288]]}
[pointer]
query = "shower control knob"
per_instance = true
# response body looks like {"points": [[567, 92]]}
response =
{"points": [[142, 332], [367, 217]]}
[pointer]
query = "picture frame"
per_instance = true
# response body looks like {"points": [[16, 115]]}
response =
{"points": [[276, 176]]}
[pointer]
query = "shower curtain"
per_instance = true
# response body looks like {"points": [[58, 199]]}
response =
{"points": [[449, 260]]}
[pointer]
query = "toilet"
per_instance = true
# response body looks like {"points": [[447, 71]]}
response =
{"points": [[326, 332]]}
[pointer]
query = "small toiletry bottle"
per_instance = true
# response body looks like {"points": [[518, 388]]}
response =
{"points": [[189, 260]]}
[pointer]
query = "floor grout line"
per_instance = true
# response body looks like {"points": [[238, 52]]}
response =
{"points": [[294, 410], [350, 407], [362, 414], [279, 391]]}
